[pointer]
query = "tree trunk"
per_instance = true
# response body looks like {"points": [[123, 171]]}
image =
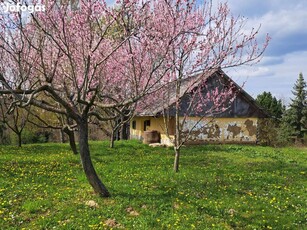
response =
{"points": [[62, 137], [121, 132], [72, 142], [124, 131], [19, 139], [112, 139], [177, 142], [176, 161], [87, 164]]}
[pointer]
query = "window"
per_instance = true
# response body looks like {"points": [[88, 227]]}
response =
{"points": [[146, 123], [133, 124]]}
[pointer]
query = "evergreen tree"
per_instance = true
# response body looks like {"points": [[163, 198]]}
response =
{"points": [[295, 119], [273, 106]]}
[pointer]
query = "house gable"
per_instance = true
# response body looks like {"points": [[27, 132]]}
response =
{"points": [[243, 104]]}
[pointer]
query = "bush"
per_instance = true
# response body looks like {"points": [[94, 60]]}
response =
{"points": [[41, 137], [268, 132], [30, 136], [277, 134]]}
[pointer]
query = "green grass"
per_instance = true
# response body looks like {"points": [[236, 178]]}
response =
{"points": [[218, 187]]}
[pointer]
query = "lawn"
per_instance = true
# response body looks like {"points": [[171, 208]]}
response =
{"points": [[218, 187]]}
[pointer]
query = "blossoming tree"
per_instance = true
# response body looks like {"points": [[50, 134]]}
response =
{"points": [[84, 62], [207, 40]]}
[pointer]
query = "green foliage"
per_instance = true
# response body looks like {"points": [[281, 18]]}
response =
{"points": [[294, 121], [271, 104], [298, 107], [26, 136], [268, 132], [218, 187], [285, 131], [289, 125], [270, 127], [31, 135]]}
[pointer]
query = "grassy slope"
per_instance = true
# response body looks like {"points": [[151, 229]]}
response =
{"points": [[218, 187]]}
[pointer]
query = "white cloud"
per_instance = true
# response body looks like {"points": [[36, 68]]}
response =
{"points": [[286, 56], [284, 22], [277, 78], [256, 8]]}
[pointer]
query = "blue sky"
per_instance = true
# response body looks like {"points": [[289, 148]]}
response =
{"points": [[286, 56]]}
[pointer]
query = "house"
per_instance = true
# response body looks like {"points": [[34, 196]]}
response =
{"points": [[238, 123]]}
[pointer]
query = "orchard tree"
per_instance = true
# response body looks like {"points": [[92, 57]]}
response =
{"points": [[119, 125], [13, 117], [64, 60], [47, 120], [207, 40]]}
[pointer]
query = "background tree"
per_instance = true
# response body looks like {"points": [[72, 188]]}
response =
{"points": [[294, 121], [270, 127], [3, 136], [117, 128], [119, 125], [271, 104], [13, 117], [47, 120]]}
